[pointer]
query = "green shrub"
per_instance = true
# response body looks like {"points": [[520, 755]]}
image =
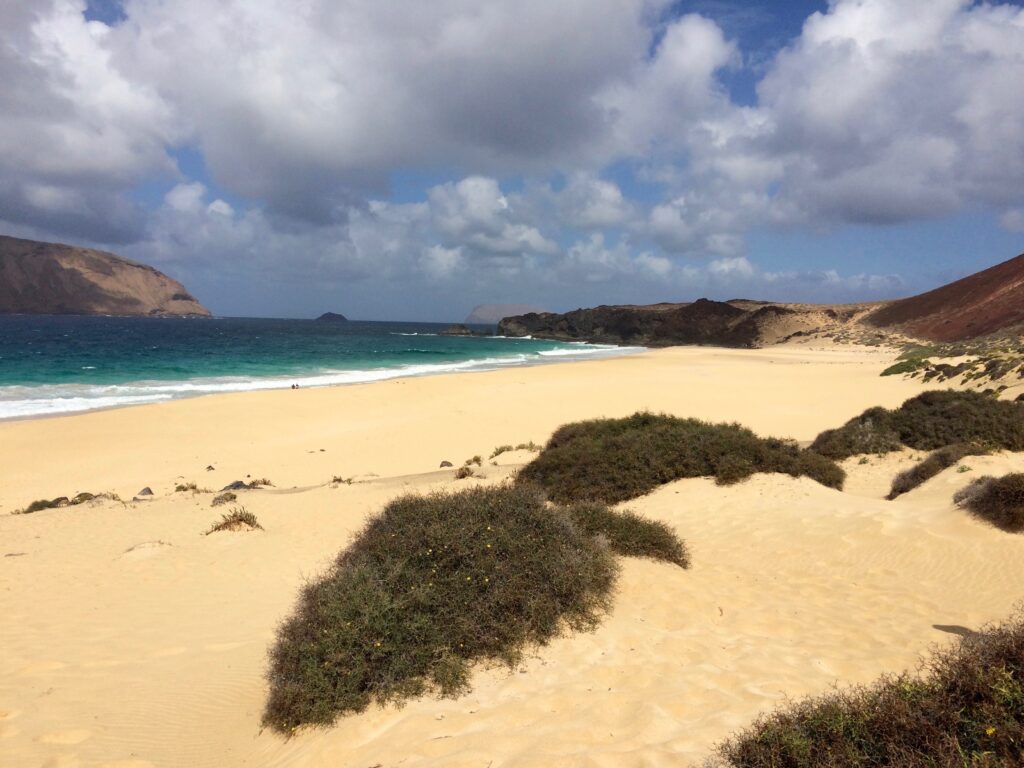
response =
{"points": [[613, 460], [927, 422], [500, 450], [965, 709], [463, 472], [906, 366], [999, 501], [428, 587], [238, 519], [930, 466], [629, 534]]}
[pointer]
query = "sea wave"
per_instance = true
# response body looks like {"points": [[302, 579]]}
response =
{"points": [[51, 399]]}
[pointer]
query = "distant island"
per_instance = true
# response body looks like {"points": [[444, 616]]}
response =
{"points": [[332, 317], [39, 278]]}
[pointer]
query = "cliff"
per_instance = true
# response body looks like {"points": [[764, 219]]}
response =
{"points": [[49, 278]]}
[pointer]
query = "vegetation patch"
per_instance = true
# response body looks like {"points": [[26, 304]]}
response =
{"points": [[906, 366], [965, 709], [238, 519], [223, 498], [463, 472], [184, 487], [63, 501], [999, 501], [629, 534], [930, 421], [930, 466], [437, 583], [613, 460]]}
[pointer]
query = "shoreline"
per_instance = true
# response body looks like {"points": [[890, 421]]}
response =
{"points": [[133, 639], [373, 376]]}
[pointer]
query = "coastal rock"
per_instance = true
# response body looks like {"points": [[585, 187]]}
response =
{"points": [[458, 329], [446, 464], [237, 485], [332, 317], [737, 323], [147, 491], [53, 279]]}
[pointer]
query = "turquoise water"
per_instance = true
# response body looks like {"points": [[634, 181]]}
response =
{"points": [[63, 364]]}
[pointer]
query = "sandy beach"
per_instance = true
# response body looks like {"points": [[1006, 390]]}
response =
{"points": [[131, 640]]}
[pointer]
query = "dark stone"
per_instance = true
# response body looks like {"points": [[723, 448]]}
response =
{"points": [[147, 491], [83, 496], [457, 330], [237, 485], [209, 467], [446, 464], [60, 501]]}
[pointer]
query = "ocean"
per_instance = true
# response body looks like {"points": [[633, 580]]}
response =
{"points": [[65, 364]]}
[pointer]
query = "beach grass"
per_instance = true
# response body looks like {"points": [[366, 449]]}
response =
{"points": [[434, 584], [927, 422], [965, 709], [613, 460], [996, 500], [931, 465]]}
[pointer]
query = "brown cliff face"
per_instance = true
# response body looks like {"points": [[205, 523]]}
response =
{"points": [[48, 278], [983, 303]]}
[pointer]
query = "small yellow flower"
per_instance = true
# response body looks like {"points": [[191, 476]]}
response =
{"points": [[377, 644], [488, 546], [487, 578], [990, 730]]}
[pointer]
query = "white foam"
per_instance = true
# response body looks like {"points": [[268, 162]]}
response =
{"points": [[50, 399]]}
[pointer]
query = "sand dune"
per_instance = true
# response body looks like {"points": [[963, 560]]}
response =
{"points": [[130, 639]]}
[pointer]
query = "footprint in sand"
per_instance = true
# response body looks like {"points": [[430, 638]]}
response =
{"points": [[224, 647], [144, 550], [63, 761], [42, 667], [66, 738], [165, 652]]}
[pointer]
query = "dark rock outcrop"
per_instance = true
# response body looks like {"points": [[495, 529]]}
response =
{"points": [[53, 279], [490, 314], [458, 329], [660, 325], [332, 317]]}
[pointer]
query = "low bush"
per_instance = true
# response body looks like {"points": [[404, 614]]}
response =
{"points": [[613, 460], [629, 534], [500, 450], [999, 501], [930, 421], [430, 586], [965, 709], [238, 519], [463, 472], [930, 466]]}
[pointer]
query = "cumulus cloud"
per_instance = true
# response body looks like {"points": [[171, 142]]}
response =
{"points": [[543, 117]]}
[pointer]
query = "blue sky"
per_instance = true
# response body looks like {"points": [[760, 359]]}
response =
{"points": [[409, 160]]}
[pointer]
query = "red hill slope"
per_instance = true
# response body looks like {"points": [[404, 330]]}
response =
{"points": [[982, 303]]}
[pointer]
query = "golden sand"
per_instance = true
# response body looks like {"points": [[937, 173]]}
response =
{"points": [[129, 639]]}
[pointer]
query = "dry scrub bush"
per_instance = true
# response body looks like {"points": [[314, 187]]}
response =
{"points": [[613, 460], [434, 584], [930, 421], [965, 709]]}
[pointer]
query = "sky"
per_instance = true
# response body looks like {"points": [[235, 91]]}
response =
{"points": [[410, 160]]}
